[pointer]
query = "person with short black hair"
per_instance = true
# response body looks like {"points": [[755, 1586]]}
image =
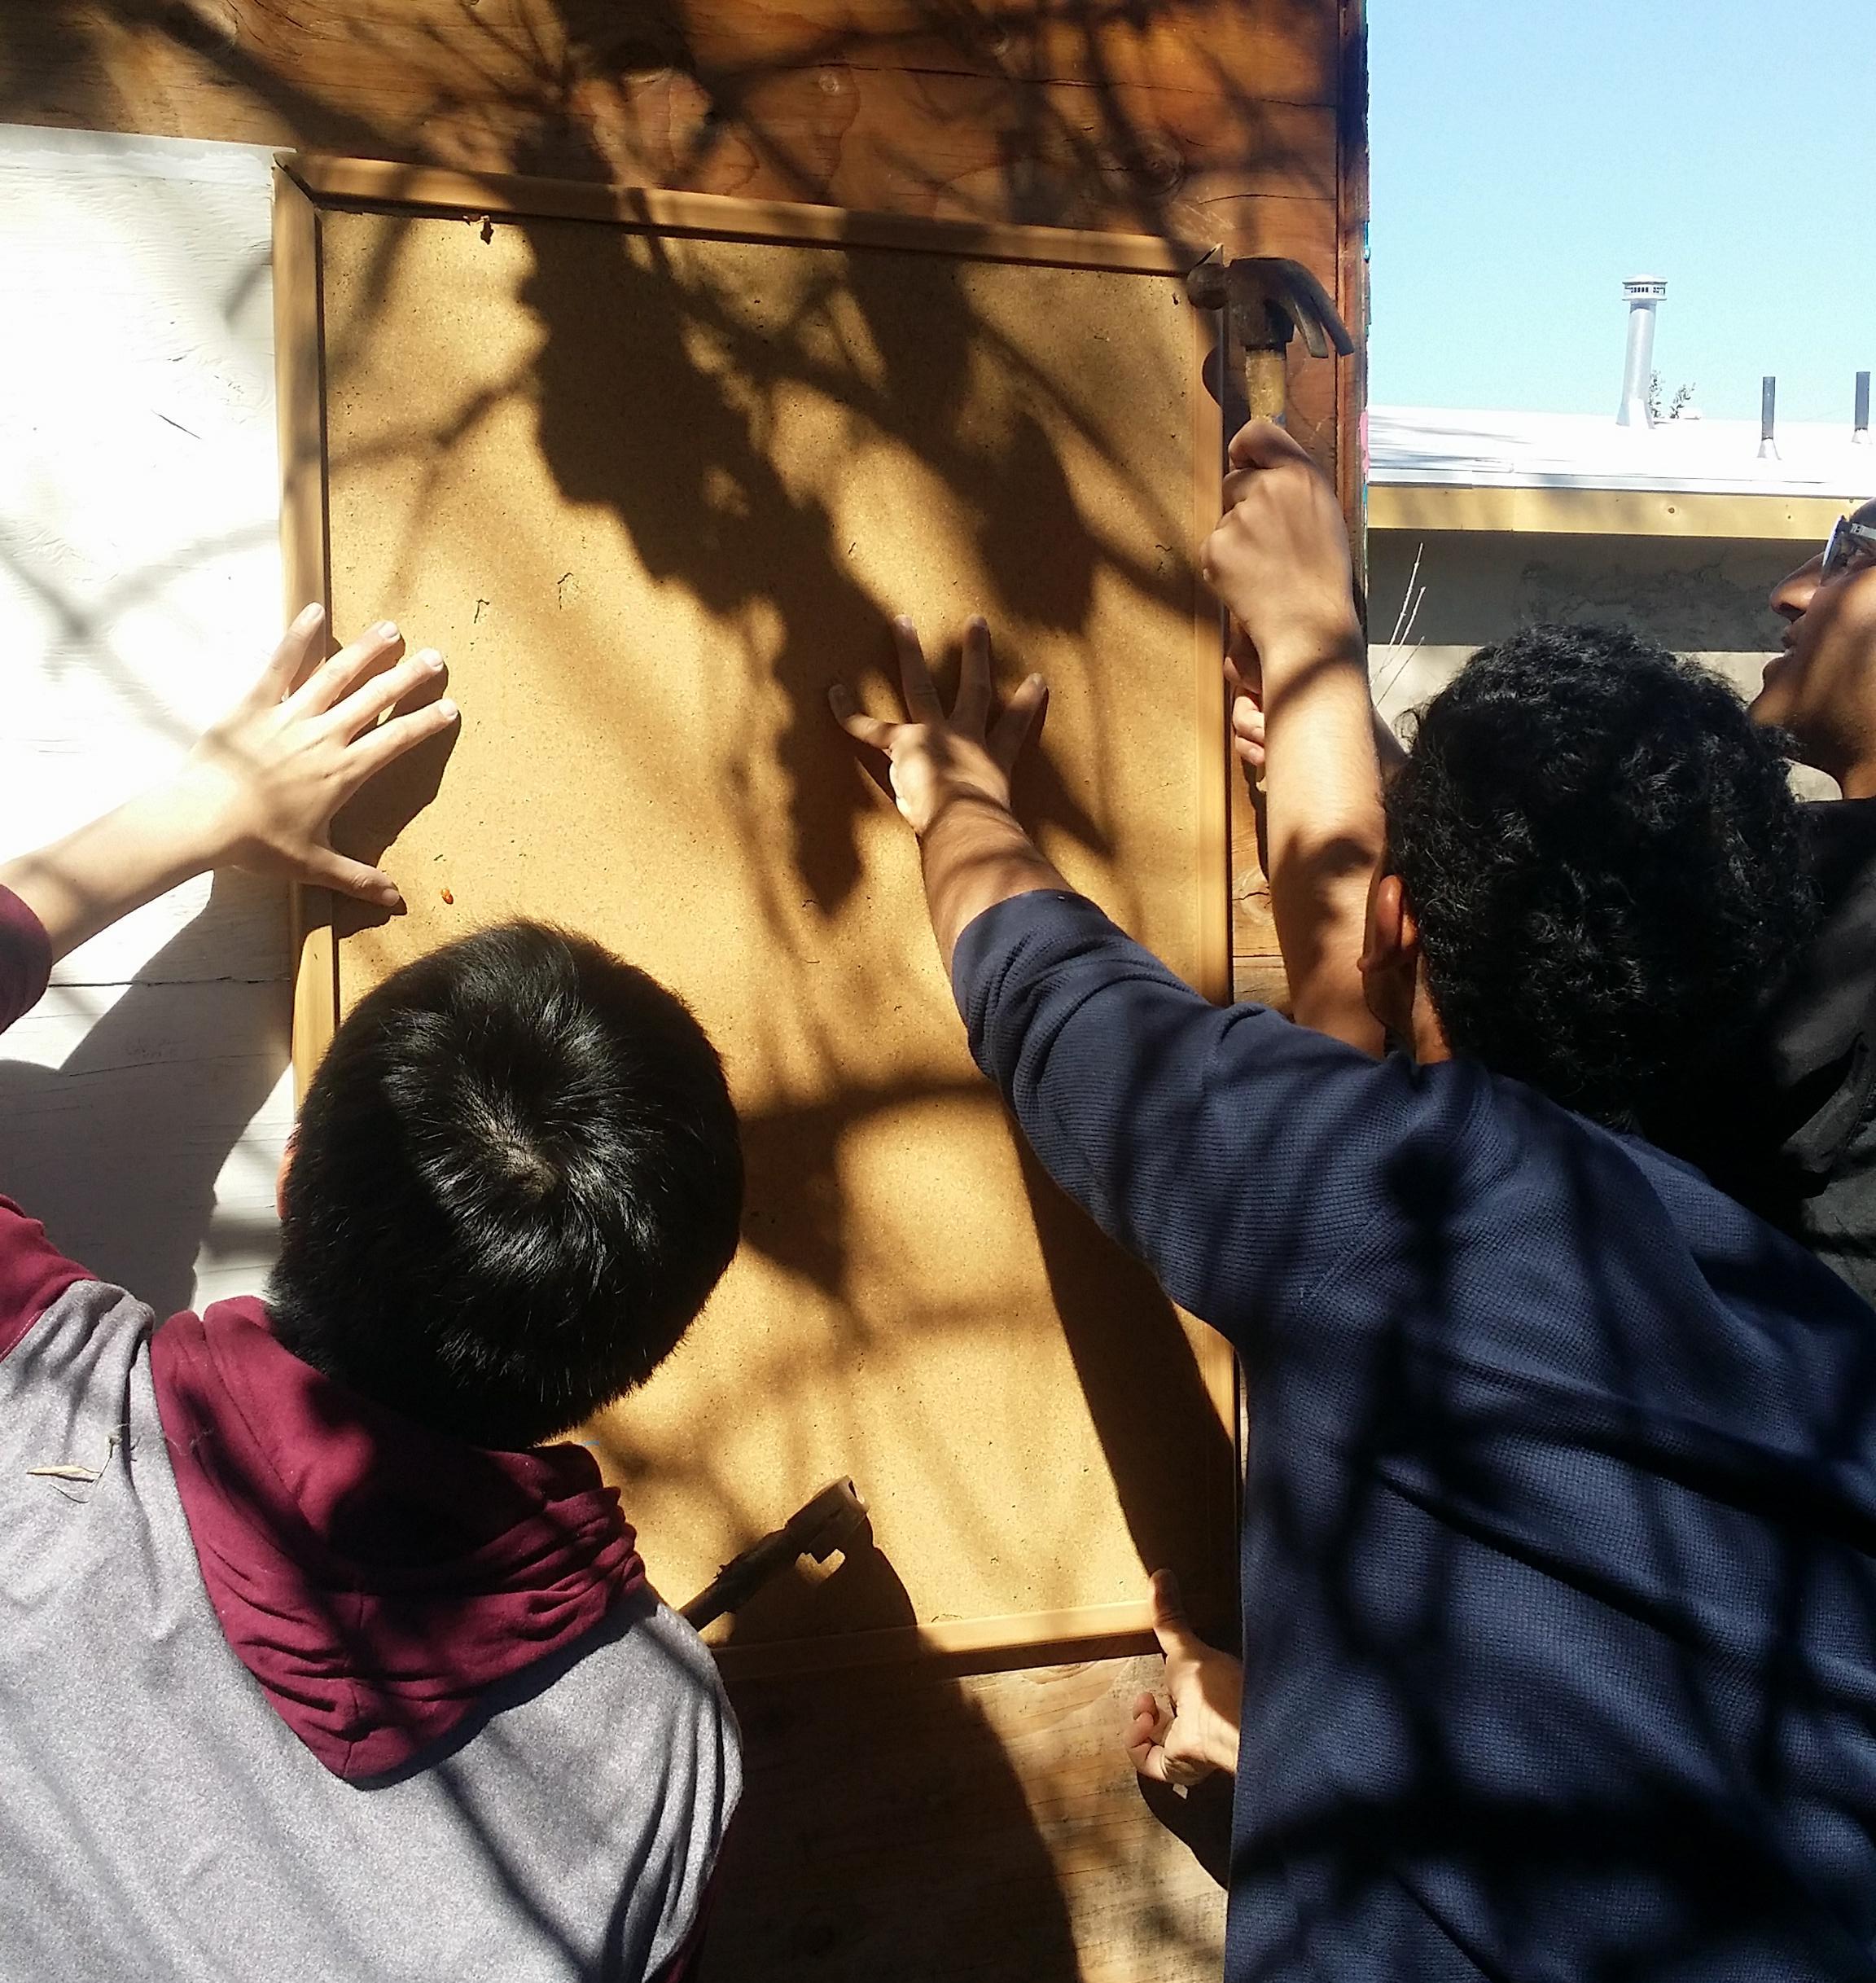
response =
{"points": [[325, 1654], [1788, 1126], [531, 1143], [1559, 1553]]}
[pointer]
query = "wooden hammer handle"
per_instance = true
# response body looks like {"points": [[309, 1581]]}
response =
{"points": [[1266, 384]]}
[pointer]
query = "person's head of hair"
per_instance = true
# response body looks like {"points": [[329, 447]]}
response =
{"points": [[1604, 861], [516, 1178], [1820, 689]]}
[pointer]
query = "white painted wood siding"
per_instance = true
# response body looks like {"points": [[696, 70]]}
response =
{"points": [[144, 1105]]}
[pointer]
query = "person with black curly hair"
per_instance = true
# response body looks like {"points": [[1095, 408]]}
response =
{"points": [[1606, 870], [1789, 1128], [1559, 1552]]}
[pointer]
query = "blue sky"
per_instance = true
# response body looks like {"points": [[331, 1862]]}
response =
{"points": [[1527, 158]]}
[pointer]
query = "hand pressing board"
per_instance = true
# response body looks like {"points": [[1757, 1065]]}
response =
{"points": [[652, 471]]}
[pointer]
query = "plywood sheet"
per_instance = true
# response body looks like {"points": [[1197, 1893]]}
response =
{"points": [[651, 495]]}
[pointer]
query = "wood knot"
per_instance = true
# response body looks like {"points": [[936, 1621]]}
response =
{"points": [[208, 26]]}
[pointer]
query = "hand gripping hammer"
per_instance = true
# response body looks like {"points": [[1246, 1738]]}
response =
{"points": [[1267, 298]]}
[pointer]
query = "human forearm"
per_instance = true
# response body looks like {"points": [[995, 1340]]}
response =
{"points": [[1279, 560], [1324, 827], [975, 855], [84, 883]]}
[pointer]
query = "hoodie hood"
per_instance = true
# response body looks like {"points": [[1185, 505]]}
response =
{"points": [[375, 1577]]}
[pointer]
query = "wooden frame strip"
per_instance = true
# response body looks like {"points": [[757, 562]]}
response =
{"points": [[967, 1645], [305, 566], [1214, 744], [1552, 510], [1217, 1361], [375, 182]]}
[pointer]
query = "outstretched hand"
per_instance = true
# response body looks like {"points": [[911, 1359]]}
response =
{"points": [[267, 779], [258, 791], [931, 759], [1197, 1734]]}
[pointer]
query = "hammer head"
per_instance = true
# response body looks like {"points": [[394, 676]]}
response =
{"points": [[1269, 298], [829, 1522]]}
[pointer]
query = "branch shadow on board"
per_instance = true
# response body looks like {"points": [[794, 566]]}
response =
{"points": [[723, 516], [729, 519], [1173, 1461]]}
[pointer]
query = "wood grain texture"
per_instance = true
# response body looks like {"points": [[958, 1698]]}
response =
{"points": [[1026, 111], [630, 483], [988, 1828]]}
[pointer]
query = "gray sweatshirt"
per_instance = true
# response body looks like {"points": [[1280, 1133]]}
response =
{"points": [[291, 1691]]}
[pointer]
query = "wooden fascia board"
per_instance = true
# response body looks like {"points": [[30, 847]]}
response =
{"points": [[1602, 512]]}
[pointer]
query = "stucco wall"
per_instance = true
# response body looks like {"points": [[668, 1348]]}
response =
{"points": [[1701, 597]]}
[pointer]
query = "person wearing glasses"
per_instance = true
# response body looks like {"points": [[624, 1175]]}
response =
{"points": [[1821, 687], [1796, 1139]]}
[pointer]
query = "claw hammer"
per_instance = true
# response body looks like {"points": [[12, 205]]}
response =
{"points": [[1267, 299]]}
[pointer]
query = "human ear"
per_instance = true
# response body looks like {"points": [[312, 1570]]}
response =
{"points": [[1386, 931], [1409, 929], [1391, 958]]}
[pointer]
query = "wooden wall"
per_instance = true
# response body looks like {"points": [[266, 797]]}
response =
{"points": [[1234, 121], [1239, 122]]}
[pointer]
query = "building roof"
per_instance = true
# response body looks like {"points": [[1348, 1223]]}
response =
{"points": [[1693, 477], [1441, 446]]}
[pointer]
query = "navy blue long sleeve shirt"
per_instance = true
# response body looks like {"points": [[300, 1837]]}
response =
{"points": [[1559, 1589]]}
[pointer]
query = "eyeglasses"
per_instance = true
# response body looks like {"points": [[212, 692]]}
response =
{"points": [[1851, 543]]}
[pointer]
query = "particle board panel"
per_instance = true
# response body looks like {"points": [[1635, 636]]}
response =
{"points": [[652, 491]]}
